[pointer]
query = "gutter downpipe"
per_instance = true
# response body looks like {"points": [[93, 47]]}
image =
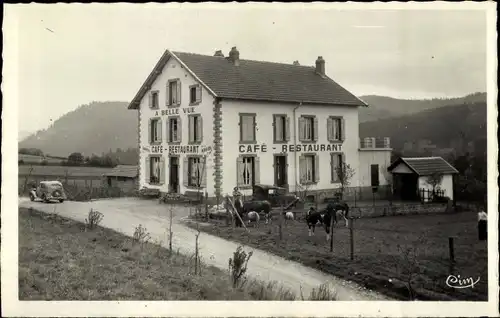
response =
{"points": [[295, 146]]}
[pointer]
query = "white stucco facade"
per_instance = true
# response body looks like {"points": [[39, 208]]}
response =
{"points": [[446, 185], [222, 145], [173, 70]]}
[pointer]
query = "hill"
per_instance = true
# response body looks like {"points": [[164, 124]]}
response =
{"points": [[451, 126], [381, 107], [93, 128]]}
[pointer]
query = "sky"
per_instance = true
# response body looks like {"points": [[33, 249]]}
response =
{"points": [[73, 54]]}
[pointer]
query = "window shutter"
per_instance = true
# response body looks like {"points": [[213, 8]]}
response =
{"points": [[302, 169], [150, 100], [167, 94], [200, 129], [342, 163], [191, 128], [329, 129], [287, 129], [257, 170], [167, 129], [275, 134], [185, 172], [204, 169], [162, 170], [254, 128], [179, 92], [239, 171], [315, 129], [179, 129], [148, 169], [302, 124], [150, 137], [198, 93], [316, 168], [342, 129], [159, 132]]}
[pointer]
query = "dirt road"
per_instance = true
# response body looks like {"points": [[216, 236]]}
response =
{"points": [[124, 214]]}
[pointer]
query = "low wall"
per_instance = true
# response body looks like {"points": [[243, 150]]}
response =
{"points": [[403, 209]]}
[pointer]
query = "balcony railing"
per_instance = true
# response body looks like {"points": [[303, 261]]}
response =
{"points": [[375, 143]]}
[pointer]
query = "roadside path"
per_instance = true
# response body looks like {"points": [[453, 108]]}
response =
{"points": [[124, 214]]}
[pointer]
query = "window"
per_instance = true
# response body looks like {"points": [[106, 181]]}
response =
{"points": [[194, 171], [155, 130], [174, 92], [281, 128], [155, 170], [309, 168], [174, 129], [336, 164], [308, 128], [194, 94], [247, 127], [335, 129], [248, 172], [153, 100], [374, 175], [195, 128]]}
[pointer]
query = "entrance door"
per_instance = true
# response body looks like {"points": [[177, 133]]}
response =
{"points": [[409, 186], [174, 175], [280, 171]]}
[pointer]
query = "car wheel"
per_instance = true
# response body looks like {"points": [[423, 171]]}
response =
{"points": [[61, 200], [44, 198], [32, 197]]}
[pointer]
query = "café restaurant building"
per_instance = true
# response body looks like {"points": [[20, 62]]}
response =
{"points": [[211, 122]]}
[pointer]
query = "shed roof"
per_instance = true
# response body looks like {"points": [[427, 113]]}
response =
{"points": [[425, 166], [256, 80], [128, 171]]}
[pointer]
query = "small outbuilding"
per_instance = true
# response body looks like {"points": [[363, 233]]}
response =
{"points": [[413, 177], [124, 177]]}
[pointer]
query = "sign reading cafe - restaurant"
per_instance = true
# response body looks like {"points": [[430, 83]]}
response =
{"points": [[292, 148]]}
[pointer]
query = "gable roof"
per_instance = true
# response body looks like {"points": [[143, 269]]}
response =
{"points": [[123, 171], [256, 80], [425, 166]]}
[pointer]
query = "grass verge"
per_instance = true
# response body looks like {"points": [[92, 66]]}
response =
{"points": [[58, 260]]}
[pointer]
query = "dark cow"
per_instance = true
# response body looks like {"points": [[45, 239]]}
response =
{"points": [[258, 206], [338, 209], [313, 217]]}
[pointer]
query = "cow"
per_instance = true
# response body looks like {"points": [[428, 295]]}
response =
{"points": [[258, 206], [339, 209], [253, 217], [289, 215], [313, 217]]}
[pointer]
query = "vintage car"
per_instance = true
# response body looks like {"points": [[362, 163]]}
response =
{"points": [[48, 191], [275, 195]]}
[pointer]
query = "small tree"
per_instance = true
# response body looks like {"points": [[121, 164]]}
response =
{"points": [[345, 173], [434, 180]]}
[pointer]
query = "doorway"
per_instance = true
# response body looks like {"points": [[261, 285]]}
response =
{"points": [[280, 171], [173, 182]]}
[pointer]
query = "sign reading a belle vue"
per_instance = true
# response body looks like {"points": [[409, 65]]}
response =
{"points": [[291, 148], [175, 111]]}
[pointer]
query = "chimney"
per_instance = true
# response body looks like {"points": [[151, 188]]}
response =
{"points": [[296, 63], [234, 56], [320, 66], [219, 53]]}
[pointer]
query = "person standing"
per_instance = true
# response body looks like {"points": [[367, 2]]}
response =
{"points": [[482, 225]]}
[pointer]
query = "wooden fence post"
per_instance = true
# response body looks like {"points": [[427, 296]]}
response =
{"points": [[229, 217], [351, 236], [451, 248]]}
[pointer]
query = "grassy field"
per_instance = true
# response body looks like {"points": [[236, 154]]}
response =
{"points": [[58, 260], [386, 251]]}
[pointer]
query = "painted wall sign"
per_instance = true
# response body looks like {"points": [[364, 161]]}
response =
{"points": [[157, 149], [175, 111], [291, 148]]}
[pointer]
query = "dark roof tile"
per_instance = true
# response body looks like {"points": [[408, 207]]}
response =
{"points": [[425, 166]]}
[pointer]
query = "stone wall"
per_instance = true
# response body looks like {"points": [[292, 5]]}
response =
{"points": [[403, 209]]}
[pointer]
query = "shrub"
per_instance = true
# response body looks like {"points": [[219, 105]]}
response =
{"points": [[238, 265], [93, 219], [141, 235], [323, 292]]}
